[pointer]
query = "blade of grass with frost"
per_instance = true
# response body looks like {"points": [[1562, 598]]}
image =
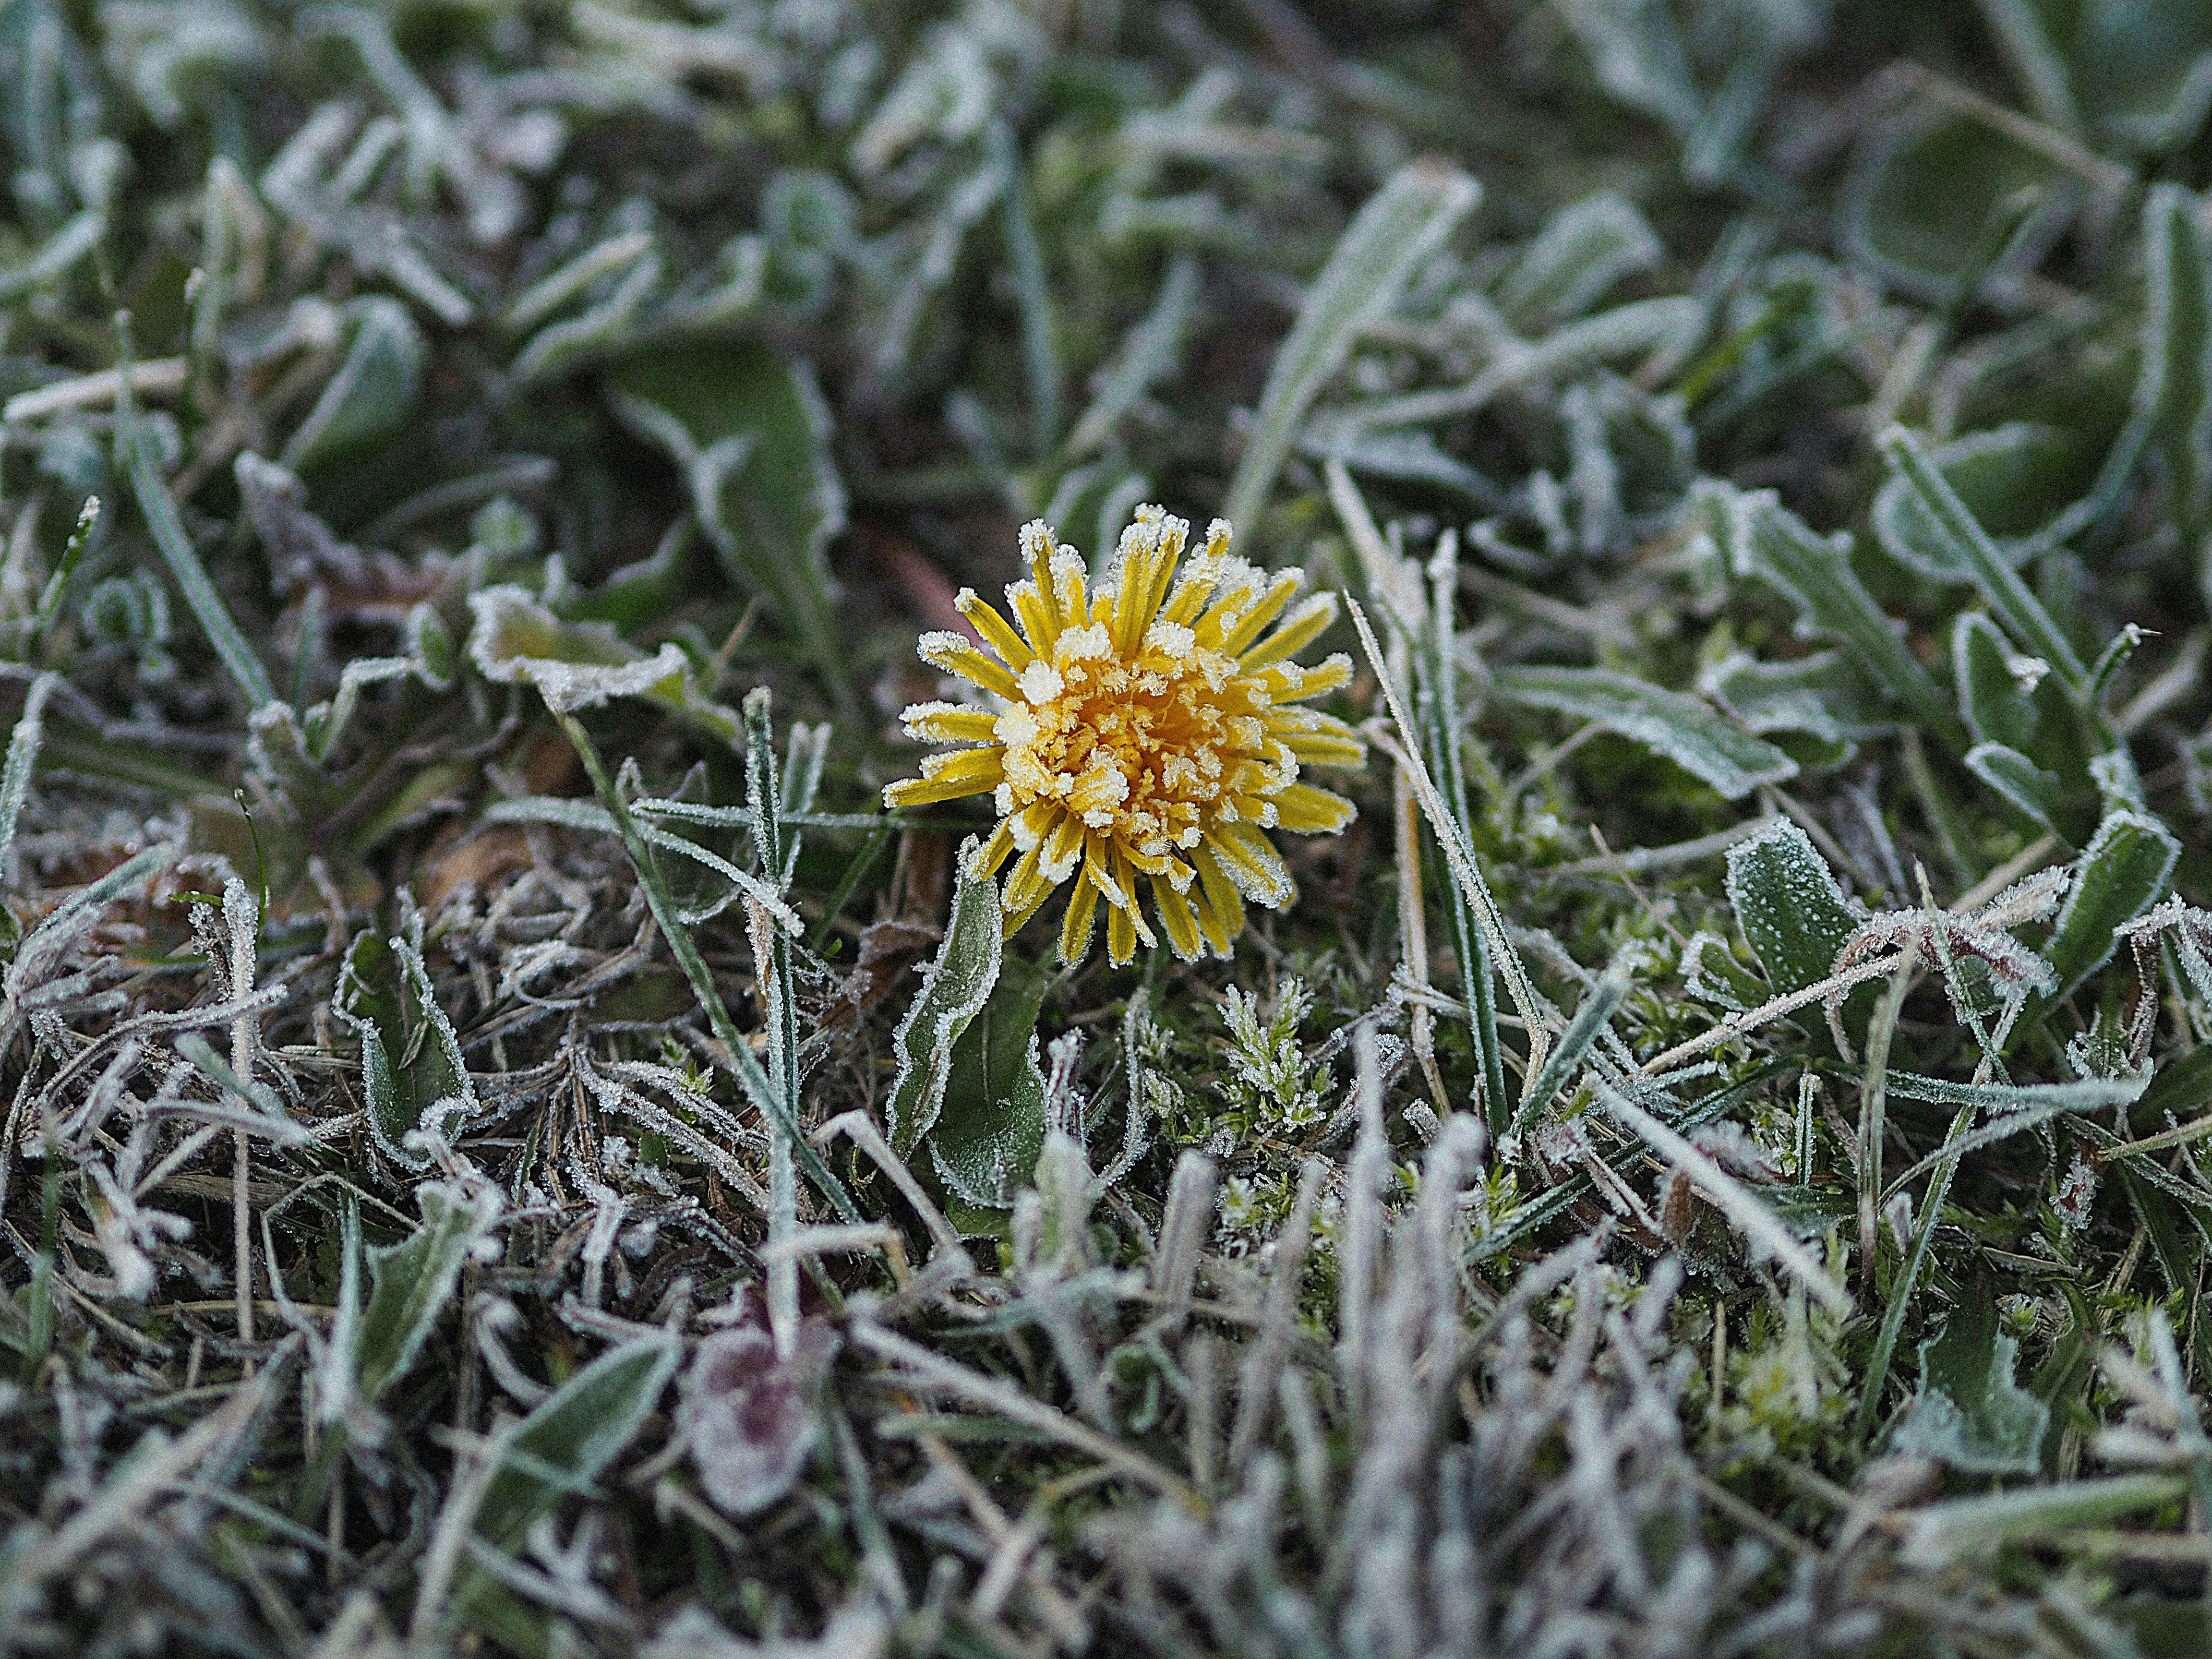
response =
{"points": [[2003, 1127], [1438, 691], [681, 946], [1459, 853], [1561, 1065], [137, 458], [1638, 326], [1148, 354], [2009, 598], [1942, 1533], [22, 758], [1669, 723], [763, 796], [1387, 240], [56, 587], [1752, 1218]]}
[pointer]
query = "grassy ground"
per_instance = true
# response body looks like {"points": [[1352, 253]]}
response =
{"points": [[510, 1147]]}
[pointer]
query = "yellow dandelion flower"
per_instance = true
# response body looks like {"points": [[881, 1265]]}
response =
{"points": [[1148, 730]]}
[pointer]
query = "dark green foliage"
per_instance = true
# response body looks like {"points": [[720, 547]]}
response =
{"points": [[507, 1146]]}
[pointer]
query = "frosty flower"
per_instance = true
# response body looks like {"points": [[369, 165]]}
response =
{"points": [[1140, 732]]}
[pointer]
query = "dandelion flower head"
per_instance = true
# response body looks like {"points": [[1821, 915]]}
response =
{"points": [[1148, 730]]}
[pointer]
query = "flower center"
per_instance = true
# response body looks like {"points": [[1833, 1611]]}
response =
{"points": [[1149, 750]]}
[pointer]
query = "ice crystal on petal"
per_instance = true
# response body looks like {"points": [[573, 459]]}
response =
{"points": [[1146, 730]]}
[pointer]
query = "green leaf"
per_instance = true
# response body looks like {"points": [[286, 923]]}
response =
{"points": [[1970, 1413], [1985, 669], [561, 1448], [2015, 479], [1763, 539], [517, 640], [1561, 1065], [1969, 545], [2119, 878], [750, 434], [1387, 240], [2143, 70], [371, 396], [410, 1057], [1926, 195], [1789, 906], [1587, 246], [954, 988], [1669, 723], [413, 1280], [569, 1439], [987, 1141], [2177, 353], [2038, 795]]}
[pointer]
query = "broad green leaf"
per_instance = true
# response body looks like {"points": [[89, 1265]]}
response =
{"points": [[1400, 226], [2038, 795], [1763, 539], [2015, 479], [2120, 876], [517, 640], [410, 1057], [561, 1447], [751, 434], [413, 1281], [954, 987], [1789, 906], [1824, 697], [2143, 70], [1970, 1414], [373, 394], [569, 1439], [986, 1139], [1989, 675], [2009, 598], [1926, 201], [1670, 723]]}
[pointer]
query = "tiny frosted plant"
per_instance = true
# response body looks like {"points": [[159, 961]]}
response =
{"points": [[1266, 1062], [1146, 730]]}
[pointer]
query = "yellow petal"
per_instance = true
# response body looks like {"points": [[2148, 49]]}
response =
{"points": [[992, 853], [1175, 918], [1075, 927], [949, 777], [1121, 936], [1037, 608], [1222, 899], [1291, 682], [1061, 849], [1326, 749], [1241, 625], [1300, 629], [949, 722], [955, 654], [996, 631], [1027, 887], [1254, 865], [1311, 812]]}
